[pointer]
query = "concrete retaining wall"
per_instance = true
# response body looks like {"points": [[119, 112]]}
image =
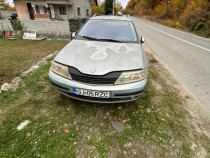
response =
{"points": [[5, 25], [51, 29]]}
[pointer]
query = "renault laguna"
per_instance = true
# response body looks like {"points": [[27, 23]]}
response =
{"points": [[103, 63]]}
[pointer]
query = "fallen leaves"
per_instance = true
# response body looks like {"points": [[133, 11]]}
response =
{"points": [[28, 134], [66, 131], [124, 121], [153, 60], [143, 134], [48, 133], [77, 128]]}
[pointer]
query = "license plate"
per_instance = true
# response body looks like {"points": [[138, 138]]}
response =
{"points": [[89, 93]]}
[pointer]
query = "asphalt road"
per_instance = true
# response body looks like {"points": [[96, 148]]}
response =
{"points": [[185, 55]]}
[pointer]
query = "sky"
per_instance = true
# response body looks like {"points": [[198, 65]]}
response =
{"points": [[123, 2], [10, 2]]}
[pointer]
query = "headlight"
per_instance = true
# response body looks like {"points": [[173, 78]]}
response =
{"points": [[60, 70], [132, 76]]}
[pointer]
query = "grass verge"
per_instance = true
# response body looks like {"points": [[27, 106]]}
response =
{"points": [[17, 56]]}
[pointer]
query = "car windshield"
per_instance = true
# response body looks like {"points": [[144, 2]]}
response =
{"points": [[109, 30]]}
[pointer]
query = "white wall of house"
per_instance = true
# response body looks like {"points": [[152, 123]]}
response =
{"points": [[57, 11], [84, 5], [71, 10]]}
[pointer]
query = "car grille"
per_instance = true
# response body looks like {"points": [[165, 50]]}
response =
{"points": [[109, 78], [93, 80]]}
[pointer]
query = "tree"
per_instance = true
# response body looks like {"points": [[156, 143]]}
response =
{"points": [[118, 7], [108, 6], [4, 5], [155, 3], [150, 4], [131, 4], [97, 10]]}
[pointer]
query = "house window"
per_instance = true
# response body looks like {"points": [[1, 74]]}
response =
{"points": [[40, 9], [43, 10], [37, 9], [62, 10], [78, 11], [87, 12]]}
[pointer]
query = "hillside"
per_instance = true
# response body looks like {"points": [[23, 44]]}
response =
{"points": [[188, 15]]}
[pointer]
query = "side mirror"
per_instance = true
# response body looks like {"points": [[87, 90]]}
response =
{"points": [[142, 40], [73, 35]]}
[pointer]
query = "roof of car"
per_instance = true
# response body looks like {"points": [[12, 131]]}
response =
{"points": [[110, 18]]}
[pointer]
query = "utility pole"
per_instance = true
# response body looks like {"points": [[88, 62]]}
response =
{"points": [[113, 7], [167, 2]]}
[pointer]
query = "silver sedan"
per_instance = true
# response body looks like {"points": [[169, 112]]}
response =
{"points": [[103, 63]]}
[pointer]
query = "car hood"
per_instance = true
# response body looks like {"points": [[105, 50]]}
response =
{"points": [[100, 58]]}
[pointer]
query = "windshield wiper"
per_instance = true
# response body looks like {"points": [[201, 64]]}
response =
{"points": [[105, 40], [112, 40], [90, 38]]}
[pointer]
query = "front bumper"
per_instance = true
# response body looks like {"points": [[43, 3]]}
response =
{"points": [[118, 93]]}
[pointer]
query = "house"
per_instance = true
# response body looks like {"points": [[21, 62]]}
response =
{"points": [[53, 9]]}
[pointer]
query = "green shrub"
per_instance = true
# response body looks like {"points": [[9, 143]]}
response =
{"points": [[205, 30], [16, 25], [188, 19], [197, 24]]}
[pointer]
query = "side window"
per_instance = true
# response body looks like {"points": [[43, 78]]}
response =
{"points": [[87, 12], [78, 11]]}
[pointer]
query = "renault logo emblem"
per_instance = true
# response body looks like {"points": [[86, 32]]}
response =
{"points": [[93, 70]]}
